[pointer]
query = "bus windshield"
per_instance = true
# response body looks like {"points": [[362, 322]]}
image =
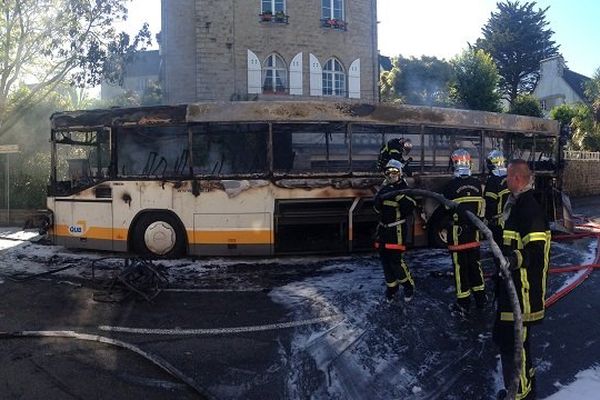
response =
{"points": [[82, 159]]}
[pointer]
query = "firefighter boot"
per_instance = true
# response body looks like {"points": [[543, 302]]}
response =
{"points": [[390, 292], [409, 291], [480, 299], [460, 308]]}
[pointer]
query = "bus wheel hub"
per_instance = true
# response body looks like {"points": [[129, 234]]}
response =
{"points": [[160, 237]]}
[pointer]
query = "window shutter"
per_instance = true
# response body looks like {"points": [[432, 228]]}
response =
{"points": [[254, 74], [296, 75], [354, 80], [316, 77]]}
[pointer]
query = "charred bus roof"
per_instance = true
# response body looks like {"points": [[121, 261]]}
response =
{"points": [[383, 113]]}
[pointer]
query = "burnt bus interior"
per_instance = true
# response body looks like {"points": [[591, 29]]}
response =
{"points": [[310, 155]]}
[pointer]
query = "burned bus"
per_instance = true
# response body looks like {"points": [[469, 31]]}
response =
{"points": [[264, 178]]}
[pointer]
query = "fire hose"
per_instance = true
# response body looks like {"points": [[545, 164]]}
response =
{"points": [[513, 386]]}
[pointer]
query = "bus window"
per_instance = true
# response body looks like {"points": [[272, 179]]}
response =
{"points": [[438, 147], [412, 133], [82, 159], [152, 151], [539, 152], [450, 139], [230, 149], [366, 145], [301, 148]]}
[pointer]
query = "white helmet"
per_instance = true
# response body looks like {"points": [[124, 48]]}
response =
{"points": [[461, 160], [393, 170], [496, 162]]}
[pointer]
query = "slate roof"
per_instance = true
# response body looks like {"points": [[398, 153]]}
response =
{"points": [[385, 62], [576, 82]]}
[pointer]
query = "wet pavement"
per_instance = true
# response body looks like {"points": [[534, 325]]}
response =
{"points": [[285, 328]]}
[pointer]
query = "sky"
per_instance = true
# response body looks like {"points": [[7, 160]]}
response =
{"points": [[442, 28]]}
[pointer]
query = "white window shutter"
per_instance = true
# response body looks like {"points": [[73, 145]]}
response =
{"points": [[254, 74], [316, 77], [296, 75], [354, 80]]}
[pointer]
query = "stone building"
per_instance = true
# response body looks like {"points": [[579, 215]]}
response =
{"points": [[269, 49]]}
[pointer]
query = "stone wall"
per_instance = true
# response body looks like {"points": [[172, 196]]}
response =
{"points": [[210, 39], [581, 178]]}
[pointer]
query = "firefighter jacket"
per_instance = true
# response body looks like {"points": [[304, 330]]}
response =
{"points": [[526, 239], [387, 153], [467, 192], [393, 211], [496, 193]]}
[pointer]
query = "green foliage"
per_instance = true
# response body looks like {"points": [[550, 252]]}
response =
{"points": [[56, 41], [518, 38], [526, 104], [475, 84], [421, 81], [564, 113], [585, 131], [592, 92]]}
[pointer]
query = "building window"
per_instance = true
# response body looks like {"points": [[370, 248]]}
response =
{"points": [[332, 9], [274, 75], [332, 14], [273, 11], [334, 79], [273, 6]]}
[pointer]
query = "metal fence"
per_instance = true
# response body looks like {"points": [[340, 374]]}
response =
{"points": [[582, 155]]}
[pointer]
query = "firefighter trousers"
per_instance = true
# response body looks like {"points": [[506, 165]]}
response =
{"points": [[468, 276], [395, 269], [503, 335]]}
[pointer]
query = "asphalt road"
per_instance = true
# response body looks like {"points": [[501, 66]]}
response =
{"points": [[288, 328]]}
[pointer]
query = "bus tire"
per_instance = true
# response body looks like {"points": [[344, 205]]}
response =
{"points": [[437, 228], [158, 234]]}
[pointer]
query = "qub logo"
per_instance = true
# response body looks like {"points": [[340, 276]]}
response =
{"points": [[77, 230]]}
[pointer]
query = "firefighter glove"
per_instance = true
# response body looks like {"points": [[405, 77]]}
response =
{"points": [[512, 259]]}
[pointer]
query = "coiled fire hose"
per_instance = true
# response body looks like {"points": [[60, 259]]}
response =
{"points": [[513, 386]]}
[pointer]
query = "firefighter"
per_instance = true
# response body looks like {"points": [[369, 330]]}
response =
{"points": [[393, 210], [395, 149], [496, 193], [526, 246], [463, 236]]}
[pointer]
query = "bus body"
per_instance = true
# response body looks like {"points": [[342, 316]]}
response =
{"points": [[264, 178]]}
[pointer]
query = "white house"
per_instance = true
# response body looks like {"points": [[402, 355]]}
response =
{"points": [[558, 84]]}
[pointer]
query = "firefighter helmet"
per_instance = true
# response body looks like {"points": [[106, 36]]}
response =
{"points": [[393, 169], [400, 145], [461, 161], [496, 162]]}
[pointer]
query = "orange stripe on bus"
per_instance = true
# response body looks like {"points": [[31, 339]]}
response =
{"points": [[194, 237], [230, 237], [93, 232]]}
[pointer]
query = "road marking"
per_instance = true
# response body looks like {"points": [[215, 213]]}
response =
{"points": [[219, 331]]}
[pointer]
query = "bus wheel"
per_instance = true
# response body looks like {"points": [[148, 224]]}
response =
{"points": [[437, 228], [158, 235]]}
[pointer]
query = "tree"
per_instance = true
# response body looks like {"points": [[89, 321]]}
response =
{"points": [[526, 104], [476, 79], [418, 81], [49, 42], [518, 38], [592, 92]]}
